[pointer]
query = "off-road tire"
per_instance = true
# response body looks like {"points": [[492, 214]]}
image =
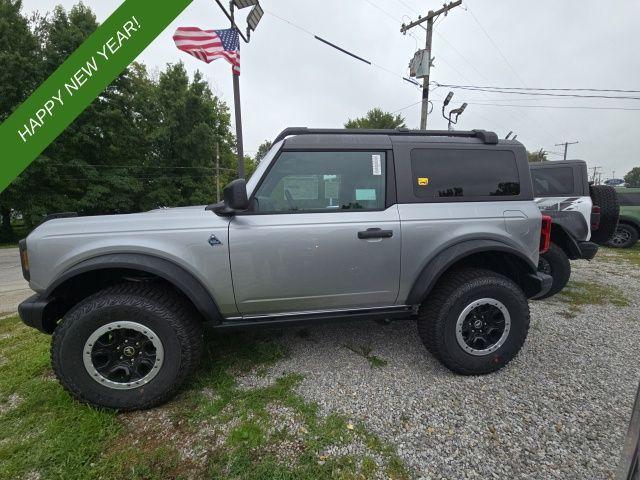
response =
{"points": [[439, 313], [606, 198], [555, 262], [155, 306], [631, 236]]}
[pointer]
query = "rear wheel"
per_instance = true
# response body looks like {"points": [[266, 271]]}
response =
{"points": [[127, 347], [555, 262], [625, 236], [475, 321], [606, 198]]}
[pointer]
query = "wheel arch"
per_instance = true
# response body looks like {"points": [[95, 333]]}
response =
{"points": [[484, 253], [96, 273], [630, 221], [563, 238]]}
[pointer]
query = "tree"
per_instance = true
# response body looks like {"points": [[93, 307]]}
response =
{"points": [[537, 156], [262, 150], [377, 118], [19, 76], [632, 179]]}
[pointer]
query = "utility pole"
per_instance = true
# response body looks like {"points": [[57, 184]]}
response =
{"points": [[217, 172], [595, 171], [431, 15], [566, 144]]}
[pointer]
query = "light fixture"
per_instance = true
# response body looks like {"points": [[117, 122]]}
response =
{"points": [[461, 109], [244, 3], [448, 99], [254, 17]]}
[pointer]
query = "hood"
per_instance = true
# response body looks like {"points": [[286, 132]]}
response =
{"points": [[162, 219]]}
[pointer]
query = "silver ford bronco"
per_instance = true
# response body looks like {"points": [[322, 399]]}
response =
{"points": [[436, 226]]}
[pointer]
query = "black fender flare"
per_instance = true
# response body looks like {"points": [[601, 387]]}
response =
{"points": [[169, 271], [565, 240], [630, 220], [444, 259]]}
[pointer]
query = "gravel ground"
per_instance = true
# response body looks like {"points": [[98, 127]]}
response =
{"points": [[559, 410]]}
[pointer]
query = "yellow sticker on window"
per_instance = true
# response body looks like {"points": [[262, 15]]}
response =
{"points": [[423, 181]]}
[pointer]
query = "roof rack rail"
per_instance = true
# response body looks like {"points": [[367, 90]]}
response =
{"points": [[487, 137]]}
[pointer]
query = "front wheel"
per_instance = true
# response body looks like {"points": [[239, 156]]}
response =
{"points": [[127, 347], [625, 236], [475, 321]]}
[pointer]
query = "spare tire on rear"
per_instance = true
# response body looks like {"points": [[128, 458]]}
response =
{"points": [[606, 198]]}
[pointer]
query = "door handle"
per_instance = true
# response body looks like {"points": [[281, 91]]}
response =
{"points": [[375, 233]]}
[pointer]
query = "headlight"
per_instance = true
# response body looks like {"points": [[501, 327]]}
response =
{"points": [[24, 258]]}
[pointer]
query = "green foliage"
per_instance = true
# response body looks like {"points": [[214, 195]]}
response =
{"points": [[377, 118], [632, 179], [263, 149], [145, 142], [539, 156]]}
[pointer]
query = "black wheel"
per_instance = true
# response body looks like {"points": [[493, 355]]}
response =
{"points": [[475, 321], [127, 347], [606, 198], [555, 263], [625, 236]]}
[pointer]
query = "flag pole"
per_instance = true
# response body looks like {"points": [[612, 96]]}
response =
{"points": [[236, 104], [236, 101]]}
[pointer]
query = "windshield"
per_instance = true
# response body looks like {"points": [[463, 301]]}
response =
{"points": [[262, 166]]}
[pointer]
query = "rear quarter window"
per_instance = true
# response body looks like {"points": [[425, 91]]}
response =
{"points": [[464, 174], [552, 182]]}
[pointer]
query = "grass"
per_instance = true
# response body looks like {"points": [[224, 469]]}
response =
{"points": [[365, 352], [213, 429], [579, 294], [622, 255]]}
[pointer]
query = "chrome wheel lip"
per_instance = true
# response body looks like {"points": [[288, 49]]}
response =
{"points": [[109, 327], [467, 310]]}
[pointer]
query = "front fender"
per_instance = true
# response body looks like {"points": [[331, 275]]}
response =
{"points": [[174, 274]]}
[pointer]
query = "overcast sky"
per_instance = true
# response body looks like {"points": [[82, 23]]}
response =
{"points": [[290, 79]]}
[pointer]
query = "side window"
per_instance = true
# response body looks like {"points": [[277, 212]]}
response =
{"points": [[323, 181], [552, 182], [464, 173]]}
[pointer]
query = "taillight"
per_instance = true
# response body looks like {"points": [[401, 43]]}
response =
{"points": [[24, 259], [545, 233], [595, 217]]}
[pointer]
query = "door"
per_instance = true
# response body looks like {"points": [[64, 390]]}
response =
{"points": [[320, 235]]}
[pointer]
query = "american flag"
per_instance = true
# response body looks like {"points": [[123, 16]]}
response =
{"points": [[208, 45]]}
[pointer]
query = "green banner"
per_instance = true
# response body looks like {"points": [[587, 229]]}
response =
{"points": [[79, 80]]}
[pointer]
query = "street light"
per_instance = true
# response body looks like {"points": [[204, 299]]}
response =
{"points": [[254, 17], [447, 100], [244, 3]]}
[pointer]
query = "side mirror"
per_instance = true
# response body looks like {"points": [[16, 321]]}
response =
{"points": [[234, 199]]}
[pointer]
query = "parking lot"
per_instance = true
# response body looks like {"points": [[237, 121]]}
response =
{"points": [[560, 410]]}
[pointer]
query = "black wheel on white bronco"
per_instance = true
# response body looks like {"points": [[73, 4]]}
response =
{"points": [[127, 347], [475, 321], [555, 262]]}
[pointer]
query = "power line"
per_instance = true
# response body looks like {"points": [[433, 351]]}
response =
{"points": [[576, 107], [556, 89], [516, 92], [340, 49]]}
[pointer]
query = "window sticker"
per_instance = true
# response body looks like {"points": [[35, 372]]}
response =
{"points": [[376, 168], [423, 181], [365, 193]]}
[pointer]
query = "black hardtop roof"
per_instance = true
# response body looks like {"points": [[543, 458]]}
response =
{"points": [[489, 138], [553, 163]]}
